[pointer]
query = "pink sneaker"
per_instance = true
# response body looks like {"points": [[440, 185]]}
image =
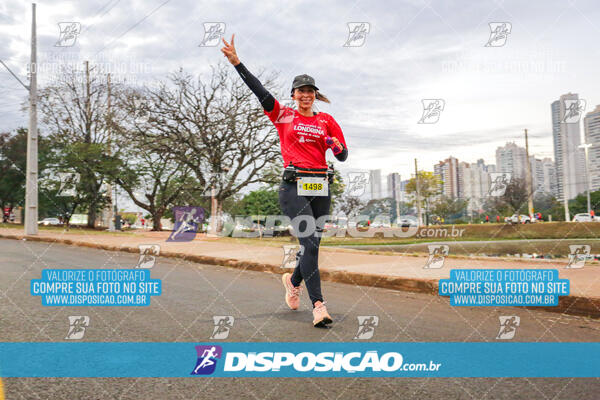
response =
{"points": [[292, 293], [321, 316]]}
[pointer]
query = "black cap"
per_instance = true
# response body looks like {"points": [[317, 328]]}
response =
{"points": [[304, 80]]}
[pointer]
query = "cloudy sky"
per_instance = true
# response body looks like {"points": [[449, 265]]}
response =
{"points": [[413, 50]]}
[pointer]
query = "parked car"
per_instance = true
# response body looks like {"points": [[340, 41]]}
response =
{"points": [[408, 222], [583, 217], [50, 221], [330, 225], [380, 225], [518, 219]]}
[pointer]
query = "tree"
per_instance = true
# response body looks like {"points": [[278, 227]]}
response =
{"points": [[430, 186], [215, 127], [155, 183], [350, 205], [261, 202], [546, 204], [75, 116], [13, 161], [513, 201], [13, 150], [449, 208], [579, 203], [377, 207], [153, 180]]}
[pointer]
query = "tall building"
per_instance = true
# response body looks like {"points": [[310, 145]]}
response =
{"points": [[447, 171], [375, 178], [570, 171], [474, 182], [537, 174], [549, 171], [591, 125], [394, 186], [511, 159]]}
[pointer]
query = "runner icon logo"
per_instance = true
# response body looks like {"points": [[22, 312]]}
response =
{"points": [[148, 253], [437, 255], [286, 116], [291, 255], [212, 33], [68, 184], [77, 325], [432, 109], [574, 109], [207, 359], [498, 183], [357, 34], [578, 253], [357, 183], [223, 324], [69, 31], [499, 32], [508, 327], [366, 326]]}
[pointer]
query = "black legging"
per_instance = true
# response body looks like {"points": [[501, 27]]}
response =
{"points": [[292, 205]]}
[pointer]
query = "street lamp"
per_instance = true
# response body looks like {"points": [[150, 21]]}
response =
{"points": [[585, 147]]}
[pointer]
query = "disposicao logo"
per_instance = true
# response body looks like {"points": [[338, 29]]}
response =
{"points": [[308, 361], [274, 363]]}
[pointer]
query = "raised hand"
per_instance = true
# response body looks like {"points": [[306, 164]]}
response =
{"points": [[229, 51]]}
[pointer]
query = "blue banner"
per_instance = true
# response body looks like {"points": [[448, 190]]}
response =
{"points": [[300, 359], [503, 287], [95, 287]]}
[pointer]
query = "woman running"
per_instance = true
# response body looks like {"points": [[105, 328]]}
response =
{"points": [[304, 194]]}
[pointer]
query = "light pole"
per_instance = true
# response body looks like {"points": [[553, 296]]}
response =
{"points": [[31, 173], [31, 184], [529, 179], [585, 147]]}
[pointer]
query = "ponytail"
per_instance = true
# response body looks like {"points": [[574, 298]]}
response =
{"points": [[322, 97]]}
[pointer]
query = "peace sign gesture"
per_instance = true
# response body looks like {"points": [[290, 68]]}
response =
{"points": [[229, 51]]}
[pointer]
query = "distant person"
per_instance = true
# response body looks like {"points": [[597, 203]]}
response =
{"points": [[487, 219], [497, 219], [593, 214]]}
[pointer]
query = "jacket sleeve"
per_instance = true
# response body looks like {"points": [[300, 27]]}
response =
{"points": [[335, 131], [266, 99]]}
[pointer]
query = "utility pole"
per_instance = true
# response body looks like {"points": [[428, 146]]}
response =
{"points": [[529, 179], [87, 102], [397, 190], [31, 185], [418, 187], [111, 223]]}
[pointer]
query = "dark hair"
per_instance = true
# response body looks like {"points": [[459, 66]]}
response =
{"points": [[318, 95]]}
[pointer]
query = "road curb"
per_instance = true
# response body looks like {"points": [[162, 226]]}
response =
{"points": [[572, 305]]}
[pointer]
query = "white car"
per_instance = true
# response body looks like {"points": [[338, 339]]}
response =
{"points": [[518, 219], [583, 217], [49, 221], [408, 222]]}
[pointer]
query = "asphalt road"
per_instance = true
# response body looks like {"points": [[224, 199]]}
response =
{"points": [[193, 293]]}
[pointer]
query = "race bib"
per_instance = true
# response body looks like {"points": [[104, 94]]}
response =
{"points": [[313, 186]]}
